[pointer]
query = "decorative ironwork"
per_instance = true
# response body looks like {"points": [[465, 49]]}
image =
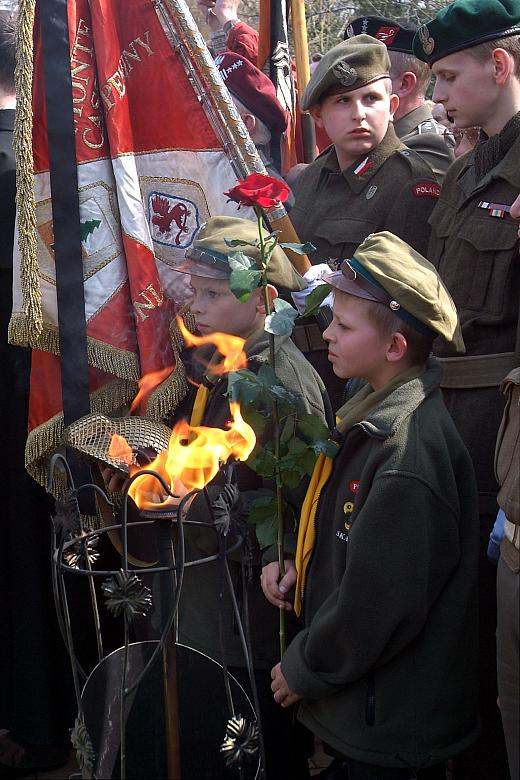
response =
{"points": [[126, 594], [240, 742]]}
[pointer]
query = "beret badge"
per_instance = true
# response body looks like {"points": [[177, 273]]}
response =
{"points": [[427, 42], [344, 74]]}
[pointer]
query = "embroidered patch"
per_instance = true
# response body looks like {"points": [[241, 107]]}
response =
{"points": [[173, 220], [363, 167], [426, 189], [386, 34], [353, 485]]}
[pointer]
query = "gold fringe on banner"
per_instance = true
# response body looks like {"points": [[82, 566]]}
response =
{"points": [[25, 200]]}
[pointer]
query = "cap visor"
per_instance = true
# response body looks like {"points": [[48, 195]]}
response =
{"points": [[201, 269], [339, 281]]}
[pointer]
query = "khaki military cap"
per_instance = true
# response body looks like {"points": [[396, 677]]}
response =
{"points": [[351, 64], [208, 256], [387, 270]]}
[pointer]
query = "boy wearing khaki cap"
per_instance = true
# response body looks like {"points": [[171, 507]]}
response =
{"points": [[386, 666], [367, 180]]}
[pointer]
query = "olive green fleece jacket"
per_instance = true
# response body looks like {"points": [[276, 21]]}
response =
{"points": [[388, 660]]}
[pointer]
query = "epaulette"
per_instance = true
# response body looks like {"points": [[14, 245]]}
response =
{"points": [[416, 163], [430, 126]]}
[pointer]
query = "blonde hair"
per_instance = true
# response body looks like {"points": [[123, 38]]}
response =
{"points": [[401, 62], [511, 44]]}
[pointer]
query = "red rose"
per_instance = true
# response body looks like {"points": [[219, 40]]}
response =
{"points": [[259, 190]]}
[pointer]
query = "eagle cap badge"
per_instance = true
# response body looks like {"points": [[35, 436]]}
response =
{"points": [[345, 74]]}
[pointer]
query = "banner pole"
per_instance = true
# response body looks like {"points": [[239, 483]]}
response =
{"points": [[301, 54], [183, 34]]}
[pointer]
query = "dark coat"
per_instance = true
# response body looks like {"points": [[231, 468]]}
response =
{"points": [[336, 210], [420, 132], [388, 660], [477, 256]]}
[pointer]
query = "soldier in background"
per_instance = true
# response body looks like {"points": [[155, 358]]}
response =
{"points": [[473, 49], [413, 121]]}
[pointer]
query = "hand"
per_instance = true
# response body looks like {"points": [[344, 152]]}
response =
{"points": [[275, 588], [282, 693], [218, 12], [114, 480]]}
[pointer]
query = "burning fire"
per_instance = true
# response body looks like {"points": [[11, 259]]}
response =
{"points": [[193, 458], [230, 347], [148, 383], [194, 453]]}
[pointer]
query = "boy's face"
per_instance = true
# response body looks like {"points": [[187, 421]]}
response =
{"points": [[216, 309], [356, 121], [356, 347], [467, 89]]}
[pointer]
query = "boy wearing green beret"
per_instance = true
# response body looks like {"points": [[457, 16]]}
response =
{"points": [[386, 666], [215, 308], [473, 48]]}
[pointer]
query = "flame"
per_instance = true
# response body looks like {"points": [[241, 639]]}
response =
{"points": [[230, 347], [119, 449], [193, 458], [148, 383]]}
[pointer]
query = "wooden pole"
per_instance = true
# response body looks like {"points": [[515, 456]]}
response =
{"points": [[301, 54]]}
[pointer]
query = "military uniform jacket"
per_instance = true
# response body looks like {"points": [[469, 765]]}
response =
{"points": [[336, 210], [420, 132], [477, 256], [199, 605], [388, 660]]}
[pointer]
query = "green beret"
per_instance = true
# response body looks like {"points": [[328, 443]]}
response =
{"points": [[387, 270], [466, 23], [351, 64], [208, 256]]}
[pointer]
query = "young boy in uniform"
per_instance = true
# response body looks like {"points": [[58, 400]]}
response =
{"points": [[215, 308], [386, 666], [473, 48], [365, 182]]}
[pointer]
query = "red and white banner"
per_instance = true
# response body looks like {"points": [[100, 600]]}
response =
{"points": [[150, 172]]}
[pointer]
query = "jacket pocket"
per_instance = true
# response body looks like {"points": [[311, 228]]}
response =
{"points": [[370, 701], [343, 234], [474, 256]]}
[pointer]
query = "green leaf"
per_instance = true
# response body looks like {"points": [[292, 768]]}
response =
{"points": [[300, 249], [312, 427], [88, 227], [281, 323], [255, 419], [314, 300], [243, 387], [263, 517], [263, 462], [245, 276], [238, 242]]}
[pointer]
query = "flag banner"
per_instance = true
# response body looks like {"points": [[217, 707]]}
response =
{"points": [[274, 59], [150, 171]]}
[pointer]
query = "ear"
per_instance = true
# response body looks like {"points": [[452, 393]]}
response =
{"points": [[250, 122], [272, 293], [408, 83], [397, 348], [315, 112], [502, 66], [394, 105]]}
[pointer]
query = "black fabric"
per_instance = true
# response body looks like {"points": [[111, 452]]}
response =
{"points": [[65, 208], [7, 187]]}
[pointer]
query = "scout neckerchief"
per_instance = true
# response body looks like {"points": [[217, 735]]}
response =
{"points": [[350, 413]]}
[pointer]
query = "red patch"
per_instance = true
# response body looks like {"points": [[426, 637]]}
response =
{"points": [[353, 486], [426, 189], [386, 34]]}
